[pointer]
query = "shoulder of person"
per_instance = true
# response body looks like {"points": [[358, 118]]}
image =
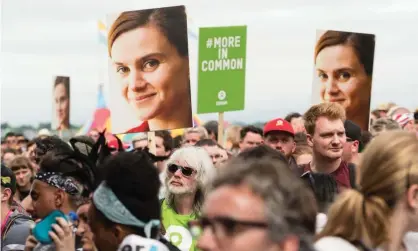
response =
{"points": [[411, 240], [17, 234], [329, 243]]}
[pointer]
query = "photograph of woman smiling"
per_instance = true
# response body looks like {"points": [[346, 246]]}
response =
{"points": [[149, 54], [344, 70]]}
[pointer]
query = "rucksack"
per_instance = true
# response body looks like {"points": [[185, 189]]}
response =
{"points": [[11, 222]]}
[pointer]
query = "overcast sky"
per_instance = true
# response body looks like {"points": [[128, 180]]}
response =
{"points": [[44, 38]]}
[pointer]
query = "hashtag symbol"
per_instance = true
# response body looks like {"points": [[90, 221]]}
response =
{"points": [[209, 43]]}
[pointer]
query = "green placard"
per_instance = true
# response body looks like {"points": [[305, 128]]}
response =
{"points": [[221, 77]]}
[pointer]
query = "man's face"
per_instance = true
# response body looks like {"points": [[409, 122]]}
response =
{"points": [[250, 140], [179, 183], [43, 199], [190, 139], [214, 153], [159, 143], [328, 139], [161, 151], [141, 144], [298, 124], [281, 141], [7, 158], [23, 176], [11, 142], [225, 208], [350, 148]]}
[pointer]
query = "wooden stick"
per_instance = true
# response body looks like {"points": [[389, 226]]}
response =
{"points": [[221, 129], [151, 143]]}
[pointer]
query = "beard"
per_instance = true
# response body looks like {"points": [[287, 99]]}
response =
{"points": [[180, 190]]}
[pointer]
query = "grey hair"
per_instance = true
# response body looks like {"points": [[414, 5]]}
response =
{"points": [[203, 133], [198, 159], [384, 124], [289, 205]]}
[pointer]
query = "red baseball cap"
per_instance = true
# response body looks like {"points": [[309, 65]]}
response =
{"points": [[278, 125]]}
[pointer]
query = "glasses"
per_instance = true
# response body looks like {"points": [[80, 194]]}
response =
{"points": [[186, 171], [221, 226]]}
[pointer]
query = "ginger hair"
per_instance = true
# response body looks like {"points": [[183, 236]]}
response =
{"points": [[331, 111]]}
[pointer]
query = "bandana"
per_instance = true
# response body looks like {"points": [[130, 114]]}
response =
{"points": [[132, 242], [67, 184], [106, 202], [403, 119]]}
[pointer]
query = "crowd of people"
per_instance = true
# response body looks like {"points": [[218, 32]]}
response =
{"points": [[311, 181]]}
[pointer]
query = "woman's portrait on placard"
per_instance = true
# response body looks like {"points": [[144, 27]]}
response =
{"points": [[61, 103], [344, 72], [149, 70]]}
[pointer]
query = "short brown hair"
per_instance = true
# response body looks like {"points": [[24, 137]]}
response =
{"points": [[20, 162], [332, 111]]}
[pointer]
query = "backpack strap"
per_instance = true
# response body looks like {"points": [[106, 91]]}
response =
{"points": [[10, 223], [352, 174]]}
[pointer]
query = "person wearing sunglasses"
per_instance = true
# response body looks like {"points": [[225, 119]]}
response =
{"points": [[185, 178], [256, 204]]}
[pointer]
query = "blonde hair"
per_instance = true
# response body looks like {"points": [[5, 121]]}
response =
{"points": [[203, 133], [331, 111], [388, 166], [232, 134]]}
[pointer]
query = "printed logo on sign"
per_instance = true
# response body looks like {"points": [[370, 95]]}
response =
{"points": [[221, 97], [179, 237]]}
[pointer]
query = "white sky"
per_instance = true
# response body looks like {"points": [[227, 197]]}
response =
{"points": [[44, 38]]}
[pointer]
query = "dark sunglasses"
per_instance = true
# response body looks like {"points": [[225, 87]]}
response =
{"points": [[228, 225], [172, 168]]}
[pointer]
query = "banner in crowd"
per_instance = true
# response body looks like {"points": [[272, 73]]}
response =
{"points": [[149, 81], [344, 71], [221, 75], [61, 104]]}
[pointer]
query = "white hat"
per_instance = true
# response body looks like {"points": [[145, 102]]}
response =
{"points": [[44, 132]]}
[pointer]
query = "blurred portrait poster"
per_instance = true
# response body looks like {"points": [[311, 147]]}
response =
{"points": [[343, 72], [61, 104], [149, 81]]}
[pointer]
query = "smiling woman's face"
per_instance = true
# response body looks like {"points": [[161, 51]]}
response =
{"points": [[343, 78], [153, 77]]}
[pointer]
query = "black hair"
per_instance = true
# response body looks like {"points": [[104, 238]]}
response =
{"points": [[9, 134], [250, 128], [365, 139], [50, 143], [324, 187], [206, 142], [212, 127], [69, 165], [177, 141], [261, 151], [293, 115], [134, 180], [167, 139]]}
